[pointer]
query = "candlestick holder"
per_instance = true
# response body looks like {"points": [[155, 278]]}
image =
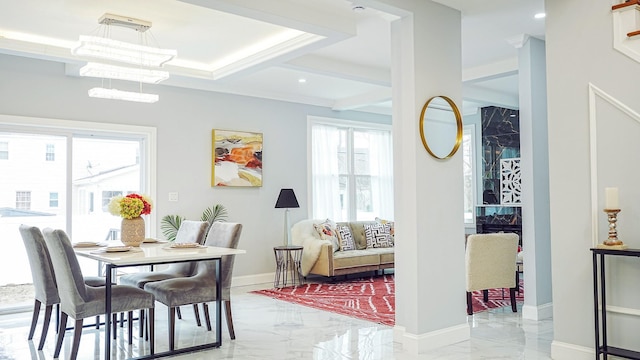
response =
{"points": [[612, 241]]}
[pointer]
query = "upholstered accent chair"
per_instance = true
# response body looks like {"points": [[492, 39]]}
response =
{"points": [[81, 301], [44, 280], [491, 264], [201, 287], [189, 232]]}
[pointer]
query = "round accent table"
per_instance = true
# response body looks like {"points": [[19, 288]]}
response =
{"points": [[288, 265]]}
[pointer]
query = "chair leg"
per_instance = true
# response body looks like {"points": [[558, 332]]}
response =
{"points": [[57, 317], [179, 313], [77, 333], [150, 331], [61, 330], [485, 295], [98, 322], [130, 326], [207, 318], [227, 308], [142, 323], [172, 327], [34, 319], [114, 322], [469, 304], [45, 326], [512, 295], [121, 319], [197, 314]]}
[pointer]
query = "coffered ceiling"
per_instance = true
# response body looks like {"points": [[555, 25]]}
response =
{"points": [[332, 53]]}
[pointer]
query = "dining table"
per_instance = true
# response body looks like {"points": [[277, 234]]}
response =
{"points": [[115, 256]]}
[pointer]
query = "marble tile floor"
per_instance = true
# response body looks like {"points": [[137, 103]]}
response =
{"points": [[272, 329]]}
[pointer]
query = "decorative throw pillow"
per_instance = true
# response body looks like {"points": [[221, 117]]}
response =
{"points": [[391, 223], [346, 238], [327, 231], [378, 235]]}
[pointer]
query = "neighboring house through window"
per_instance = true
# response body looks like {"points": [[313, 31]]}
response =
{"points": [[351, 170]]}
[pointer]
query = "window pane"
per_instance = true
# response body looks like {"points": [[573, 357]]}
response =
{"points": [[360, 153], [101, 169], [364, 206], [26, 182]]}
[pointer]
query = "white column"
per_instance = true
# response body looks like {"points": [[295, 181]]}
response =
{"points": [[534, 150], [429, 256]]}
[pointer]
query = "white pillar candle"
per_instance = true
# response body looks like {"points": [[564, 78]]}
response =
{"points": [[611, 198]]}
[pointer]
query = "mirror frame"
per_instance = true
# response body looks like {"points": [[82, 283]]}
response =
{"points": [[459, 131]]}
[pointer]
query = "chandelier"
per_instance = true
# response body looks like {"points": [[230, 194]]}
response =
{"points": [[119, 60]]}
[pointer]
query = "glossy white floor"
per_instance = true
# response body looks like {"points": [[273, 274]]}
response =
{"points": [[273, 329]]}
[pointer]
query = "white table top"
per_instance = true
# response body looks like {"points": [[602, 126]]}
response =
{"points": [[153, 253]]}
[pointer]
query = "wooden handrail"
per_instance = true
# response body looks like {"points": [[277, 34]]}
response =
{"points": [[633, 33], [625, 4]]}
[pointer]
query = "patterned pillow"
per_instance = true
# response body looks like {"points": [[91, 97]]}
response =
{"points": [[378, 235], [327, 231], [391, 223], [346, 239]]}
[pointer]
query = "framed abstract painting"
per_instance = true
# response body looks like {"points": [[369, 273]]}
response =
{"points": [[237, 158]]}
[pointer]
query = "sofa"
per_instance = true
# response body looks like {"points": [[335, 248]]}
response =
{"points": [[327, 255]]}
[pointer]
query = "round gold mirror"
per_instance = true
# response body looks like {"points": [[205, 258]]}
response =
{"points": [[441, 127]]}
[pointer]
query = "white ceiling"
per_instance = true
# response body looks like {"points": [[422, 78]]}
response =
{"points": [[262, 48]]}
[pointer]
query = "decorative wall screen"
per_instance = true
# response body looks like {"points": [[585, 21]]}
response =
{"points": [[510, 181]]}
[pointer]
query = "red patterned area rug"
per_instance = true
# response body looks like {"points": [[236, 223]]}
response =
{"points": [[370, 298], [497, 298]]}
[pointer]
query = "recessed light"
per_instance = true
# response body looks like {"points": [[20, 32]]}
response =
{"points": [[302, 80], [540, 15]]}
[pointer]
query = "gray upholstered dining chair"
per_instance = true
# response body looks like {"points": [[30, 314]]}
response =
{"points": [[44, 280], [190, 231], [81, 301], [201, 287], [491, 264]]}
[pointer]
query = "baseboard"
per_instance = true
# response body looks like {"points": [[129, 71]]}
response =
{"points": [[416, 344], [565, 351], [541, 312], [254, 279]]}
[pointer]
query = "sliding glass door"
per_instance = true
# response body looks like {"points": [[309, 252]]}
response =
{"points": [[63, 179]]}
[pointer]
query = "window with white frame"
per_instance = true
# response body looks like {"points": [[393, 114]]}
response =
{"points": [[4, 150], [351, 170], [23, 200], [50, 152], [53, 199]]}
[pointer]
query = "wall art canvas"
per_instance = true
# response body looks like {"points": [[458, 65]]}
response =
{"points": [[237, 158], [510, 181]]}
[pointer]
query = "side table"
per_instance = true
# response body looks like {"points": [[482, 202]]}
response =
{"points": [[288, 265]]}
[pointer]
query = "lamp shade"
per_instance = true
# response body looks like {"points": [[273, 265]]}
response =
{"points": [[287, 199]]}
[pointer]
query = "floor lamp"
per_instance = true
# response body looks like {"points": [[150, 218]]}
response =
{"points": [[287, 200]]}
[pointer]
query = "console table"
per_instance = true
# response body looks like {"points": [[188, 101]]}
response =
{"points": [[600, 302]]}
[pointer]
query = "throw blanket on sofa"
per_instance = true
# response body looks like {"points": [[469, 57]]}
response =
{"points": [[303, 234]]}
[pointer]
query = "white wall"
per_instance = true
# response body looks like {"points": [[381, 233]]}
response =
{"points": [[579, 52], [184, 119]]}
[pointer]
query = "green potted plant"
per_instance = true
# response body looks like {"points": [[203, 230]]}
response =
{"points": [[171, 223]]}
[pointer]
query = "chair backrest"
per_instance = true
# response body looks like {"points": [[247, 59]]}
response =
{"points": [[227, 235], [192, 232], [491, 261], [44, 280], [71, 285]]}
